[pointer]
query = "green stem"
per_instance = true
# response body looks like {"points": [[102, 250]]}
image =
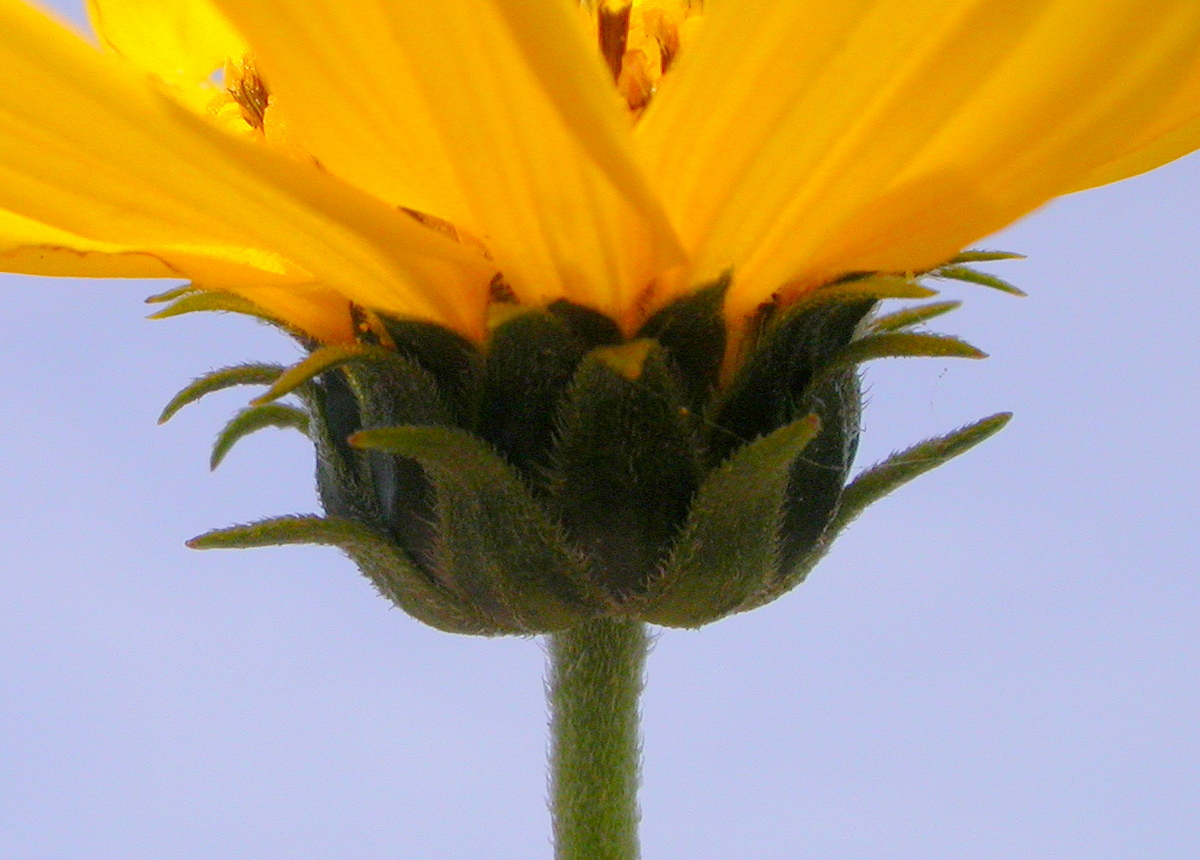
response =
{"points": [[595, 681]]}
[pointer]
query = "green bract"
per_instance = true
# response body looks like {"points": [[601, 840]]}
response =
{"points": [[564, 472]]}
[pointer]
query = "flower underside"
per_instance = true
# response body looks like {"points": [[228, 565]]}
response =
{"points": [[584, 285], [565, 472]]}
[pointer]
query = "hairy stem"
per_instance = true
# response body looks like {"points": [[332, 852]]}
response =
{"points": [[595, 681]]}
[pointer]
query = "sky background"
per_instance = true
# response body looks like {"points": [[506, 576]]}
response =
{"points": [[998, 661]]}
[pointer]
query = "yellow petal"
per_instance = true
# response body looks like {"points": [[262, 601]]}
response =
{"points": [[495, 116], [180, 41], [346, 94], [569, 69], [88, 146], [30, 248], [1176, 134], [312, 308], [798, 140]]}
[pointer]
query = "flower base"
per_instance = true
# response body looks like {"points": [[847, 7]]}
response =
{"points": [[564, 472]]}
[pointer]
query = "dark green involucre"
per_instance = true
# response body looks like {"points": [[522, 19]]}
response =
{"points": [[562, 472]]}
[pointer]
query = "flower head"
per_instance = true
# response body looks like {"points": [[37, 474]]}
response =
{"points": [[518, 238]]}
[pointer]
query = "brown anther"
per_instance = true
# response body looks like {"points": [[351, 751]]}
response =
{"points": [[440, 225], [636, 82], [500, 291], [612, 28], [668, 47], [250, 93], [364, 332], [447, 229]]}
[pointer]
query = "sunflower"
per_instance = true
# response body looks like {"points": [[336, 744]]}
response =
{"points": [[583, 286]]}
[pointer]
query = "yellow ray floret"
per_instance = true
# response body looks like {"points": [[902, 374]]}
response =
{"points": [[616, 158], [800, 140], [91, 147], [490, 115], [180, 41]]}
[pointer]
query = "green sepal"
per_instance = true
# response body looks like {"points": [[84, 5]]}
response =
{"points": [[692, 330], [625, 463], [171, 294], [226, 377], [909, 317], [343, 477], [981, 256], [320, 360], [974, 276], [213, 300], [773, 386], [729, 548], [374, 388], [593, 328], [396, 391], [817, 478], [531, 358], [496, 548], [256, 418], [877, 481], [877, 287], [798, 353], [451, 359], [900, 345], [384, 563]]}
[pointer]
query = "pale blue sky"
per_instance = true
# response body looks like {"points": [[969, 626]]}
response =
{"points": [[999, 661]]}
